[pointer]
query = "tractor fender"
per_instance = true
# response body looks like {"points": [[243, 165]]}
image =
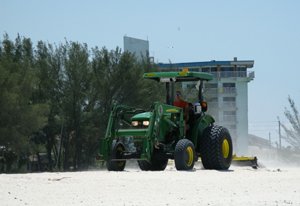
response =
{"points": [[201, 124], [207, 120], [204, 122]]}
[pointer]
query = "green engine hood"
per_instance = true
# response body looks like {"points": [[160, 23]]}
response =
{"points": [[141, 116]]}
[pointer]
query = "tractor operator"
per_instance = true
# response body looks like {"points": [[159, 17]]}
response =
{"points": [[179, 102]]}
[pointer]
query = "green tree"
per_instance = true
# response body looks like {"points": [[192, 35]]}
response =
{"points": [[19, 117], [149, 90], [75, 89], [292, 134], [48, 70], [57, 99]]}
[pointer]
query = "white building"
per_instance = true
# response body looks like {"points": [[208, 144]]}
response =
{"points": [[139, 47], [226, 94]]}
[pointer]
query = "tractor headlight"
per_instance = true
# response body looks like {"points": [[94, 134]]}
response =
{"points": [[146, 123], [134, 123]]}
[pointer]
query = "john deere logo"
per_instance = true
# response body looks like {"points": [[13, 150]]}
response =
{"points": [[160, 110], [184, 72]]}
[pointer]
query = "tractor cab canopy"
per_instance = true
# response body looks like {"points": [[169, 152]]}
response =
{"points": [[182, 76]]}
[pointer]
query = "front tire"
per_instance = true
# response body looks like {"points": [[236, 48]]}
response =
{"points": [[216, 148], [184, 155], [157, 163], [116, 153]]}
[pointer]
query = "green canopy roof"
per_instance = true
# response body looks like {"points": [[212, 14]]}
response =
{"points": [[182, 76]]}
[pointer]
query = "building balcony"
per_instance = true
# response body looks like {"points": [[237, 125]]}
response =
{"points": [[235, 74]]}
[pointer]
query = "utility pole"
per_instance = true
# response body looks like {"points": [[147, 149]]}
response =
{"points": [[270, 139], [279, 130]]}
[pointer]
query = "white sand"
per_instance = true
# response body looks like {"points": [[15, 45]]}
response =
{"points": [[239, 186]]}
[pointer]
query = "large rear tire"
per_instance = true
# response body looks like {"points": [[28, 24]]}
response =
{"points": [[116, 153], [184, 155], [216, 148]]}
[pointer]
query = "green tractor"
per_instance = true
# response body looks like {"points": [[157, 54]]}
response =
{"points": [[162, 133]]}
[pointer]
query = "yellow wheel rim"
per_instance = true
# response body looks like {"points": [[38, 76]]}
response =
{"points": [[225, 148], [190, 154]]}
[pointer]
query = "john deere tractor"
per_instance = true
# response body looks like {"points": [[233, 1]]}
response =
{"points": [[162, 133]]}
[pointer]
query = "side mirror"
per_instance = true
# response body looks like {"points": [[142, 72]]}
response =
{"points": [[197, 108], [203, 106]]}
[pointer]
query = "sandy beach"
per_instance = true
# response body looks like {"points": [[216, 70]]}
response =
{"points": [[238, 186]]}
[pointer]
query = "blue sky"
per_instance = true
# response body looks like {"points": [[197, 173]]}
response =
{"points": [[267, 32]]}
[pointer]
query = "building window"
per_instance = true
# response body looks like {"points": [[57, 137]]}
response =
{"points": [[208, 86], [229, 116], [229, 113], [213, 99], [211, 89], [229, 85], [229, 88], [240, 69], [213, 69], [229, 69], [229, 99], [242, 72], [205, 70], [193, 69], [229, 102]]}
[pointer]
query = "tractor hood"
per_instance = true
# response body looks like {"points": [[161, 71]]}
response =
{"points": [[141, 116]]}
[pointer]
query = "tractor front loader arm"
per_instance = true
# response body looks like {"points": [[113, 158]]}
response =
{"points": [[117, 112]]}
